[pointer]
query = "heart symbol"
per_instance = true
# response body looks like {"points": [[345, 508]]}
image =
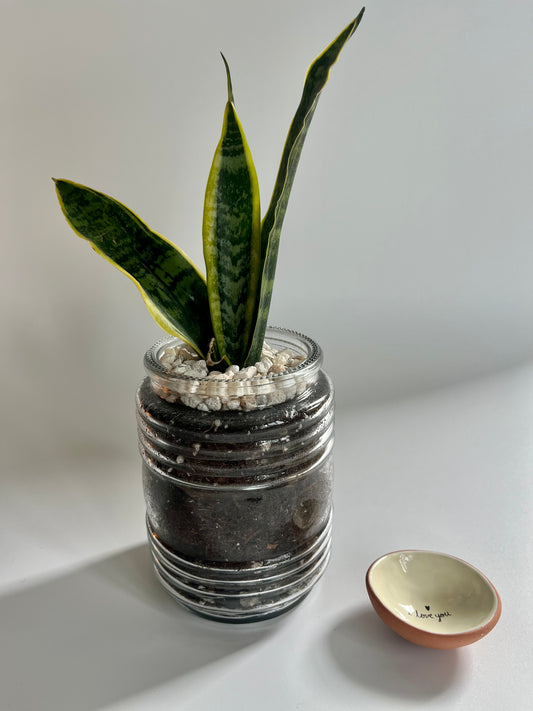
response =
{"points": [[427, 607]]}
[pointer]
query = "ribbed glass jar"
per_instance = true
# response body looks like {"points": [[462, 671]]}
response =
{"points": [[239, 502]]}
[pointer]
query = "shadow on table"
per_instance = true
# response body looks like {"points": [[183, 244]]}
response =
{"points": [[372, 655], [101, 634]]}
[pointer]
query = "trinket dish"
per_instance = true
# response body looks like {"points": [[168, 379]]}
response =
{"points": [[433, 599]]}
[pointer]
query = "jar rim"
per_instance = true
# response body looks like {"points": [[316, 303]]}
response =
{"points": [[258, 390], [153, 365]]}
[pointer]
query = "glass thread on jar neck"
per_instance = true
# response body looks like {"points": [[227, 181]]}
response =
{"points": [[237, 393]]}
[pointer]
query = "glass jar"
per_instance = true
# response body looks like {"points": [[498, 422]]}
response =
{"points": [[238, 501]]}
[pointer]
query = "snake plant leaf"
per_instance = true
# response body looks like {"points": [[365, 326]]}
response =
{"points": [[316, 78], [172, 288], [232, 238]]}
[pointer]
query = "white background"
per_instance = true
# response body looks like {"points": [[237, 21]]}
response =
{"points": [[406, 252]]}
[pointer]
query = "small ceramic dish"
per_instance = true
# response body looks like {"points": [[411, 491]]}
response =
{"points": [[433, 599]]}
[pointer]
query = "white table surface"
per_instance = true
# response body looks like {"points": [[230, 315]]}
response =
{"points": [[84, 626]]}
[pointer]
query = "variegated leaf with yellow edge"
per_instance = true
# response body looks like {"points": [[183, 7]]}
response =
{"points": [[232, 238], [316, 78], [172, 287]]}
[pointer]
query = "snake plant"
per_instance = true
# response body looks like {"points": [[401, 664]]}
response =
{"points": [[226, 313]]}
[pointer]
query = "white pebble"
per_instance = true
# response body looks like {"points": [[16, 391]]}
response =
{"points": [[261, 368], [249, 602], [267, 350], [200, 366], [286, 353], [195, 368], [277, 368], [276, 398], [217, 375], [168, 358], [191, 400], [248, 402], [261, 401], [267, 362], [290, 390], [213, 403], [236, 388], [295, 362], [281, 359], [186, 352], [246, 373]]}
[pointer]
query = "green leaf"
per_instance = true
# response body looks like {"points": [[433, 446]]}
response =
{"points": [[317, 76], [232, 238], [173, 289]]}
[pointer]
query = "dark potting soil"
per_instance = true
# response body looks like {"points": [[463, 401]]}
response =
{"points": [[246, 488]]}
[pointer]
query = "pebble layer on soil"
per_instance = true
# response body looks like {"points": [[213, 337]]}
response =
{"points": [[233, 388]]}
